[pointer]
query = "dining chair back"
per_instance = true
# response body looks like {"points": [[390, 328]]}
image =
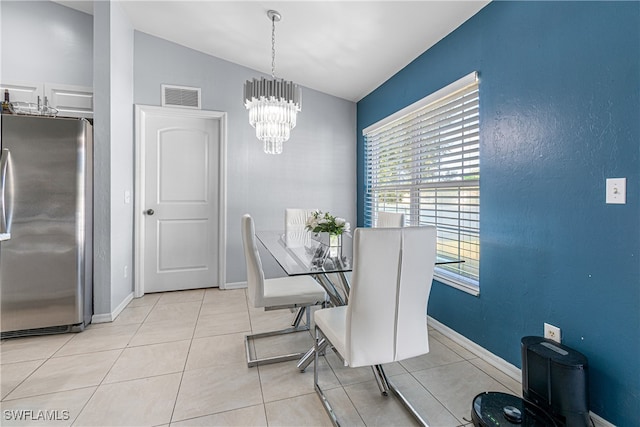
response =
{"points": [[255, 273], [390, 219], [296, 217], [295, 221], [385, 319], [291, 292]]}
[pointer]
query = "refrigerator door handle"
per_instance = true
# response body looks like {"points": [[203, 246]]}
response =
{"points": [[6, 209]]}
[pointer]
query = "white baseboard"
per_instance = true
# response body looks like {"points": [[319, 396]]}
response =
{"points": [[599, 421], [101, 318], [495, 361], [235, 285], [110, 317], [122, 305]]}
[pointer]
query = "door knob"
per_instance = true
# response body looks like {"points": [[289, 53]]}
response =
{"points": [[149, 212]]}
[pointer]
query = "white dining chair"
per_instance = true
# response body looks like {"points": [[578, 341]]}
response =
{"points": [[293, 292], [386, 220], [385, 319], [295, 222], [390, 219]]}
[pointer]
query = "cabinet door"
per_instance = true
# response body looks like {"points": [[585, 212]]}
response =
{"points": [[69, 100], [22, 92]]}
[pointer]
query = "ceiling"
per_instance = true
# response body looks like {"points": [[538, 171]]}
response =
{"points": [[343, 48]]}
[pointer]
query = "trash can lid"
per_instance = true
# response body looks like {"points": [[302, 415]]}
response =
{"points": [[559, 353], [493, 408]]}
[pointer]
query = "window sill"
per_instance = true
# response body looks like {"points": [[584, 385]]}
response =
{"points": [[456, 282]]}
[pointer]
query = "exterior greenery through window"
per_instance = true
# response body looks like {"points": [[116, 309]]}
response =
{"points": [[424, 161]]}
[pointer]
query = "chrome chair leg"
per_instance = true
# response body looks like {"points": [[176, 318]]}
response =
{"points": [[252, 360], [381, 379], [298, 318], [325, 403], [403, 399]]}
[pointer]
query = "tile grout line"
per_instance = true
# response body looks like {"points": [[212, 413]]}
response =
{"points": [[433, 395], [344, 390], [112, 365], [184, 367], [494, 378], [264, 405], [4, 399]]}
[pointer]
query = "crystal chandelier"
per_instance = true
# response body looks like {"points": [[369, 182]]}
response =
{"points": [[272, 103]]}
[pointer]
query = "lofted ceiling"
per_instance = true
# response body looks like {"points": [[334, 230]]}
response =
{"points": [[343, 48]]}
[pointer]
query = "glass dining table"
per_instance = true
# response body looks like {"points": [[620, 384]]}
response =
{"points": [[303, 253]]}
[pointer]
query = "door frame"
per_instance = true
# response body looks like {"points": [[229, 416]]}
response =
{"points": [[141, 113]]}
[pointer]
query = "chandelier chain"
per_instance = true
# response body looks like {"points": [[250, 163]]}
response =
{"points": [[273, 47]]}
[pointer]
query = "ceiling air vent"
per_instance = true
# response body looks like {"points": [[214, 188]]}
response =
{"points": [[181, 96]]}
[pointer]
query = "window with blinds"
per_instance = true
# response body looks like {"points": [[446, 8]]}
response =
{"points": [[424, 161]]}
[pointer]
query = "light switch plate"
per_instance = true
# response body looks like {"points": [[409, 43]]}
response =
{"points": [[617, 191]]}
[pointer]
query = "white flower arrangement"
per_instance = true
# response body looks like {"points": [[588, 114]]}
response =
{"points": [[320, 222]]}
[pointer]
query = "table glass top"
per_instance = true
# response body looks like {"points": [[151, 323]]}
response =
{"points": [[303, 253], [300, 253]]}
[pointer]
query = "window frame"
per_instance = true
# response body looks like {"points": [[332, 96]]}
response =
{"points": [[407, 148]]}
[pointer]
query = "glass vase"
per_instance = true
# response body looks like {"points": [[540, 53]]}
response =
{"points": [[335, 246], [331, 244]]}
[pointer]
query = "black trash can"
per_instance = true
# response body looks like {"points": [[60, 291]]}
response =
{"points": [[555, 378]]}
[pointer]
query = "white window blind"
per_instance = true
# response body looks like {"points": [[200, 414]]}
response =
{"points": [[424, 161]]}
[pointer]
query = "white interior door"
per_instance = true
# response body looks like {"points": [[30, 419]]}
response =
{"points": [[179, 209]]}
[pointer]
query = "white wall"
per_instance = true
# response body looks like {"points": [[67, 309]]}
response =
{"points": [[113, 138], [102, 160], [122, 152], [45, 42], [317, 168]]}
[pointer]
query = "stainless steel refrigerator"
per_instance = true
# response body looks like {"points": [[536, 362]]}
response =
{"points": [[46, 227]]}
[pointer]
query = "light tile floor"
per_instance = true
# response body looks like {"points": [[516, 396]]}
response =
{"points": [[178, 359]]}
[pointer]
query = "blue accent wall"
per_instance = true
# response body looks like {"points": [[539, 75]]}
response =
{"points": [[559, 113]]}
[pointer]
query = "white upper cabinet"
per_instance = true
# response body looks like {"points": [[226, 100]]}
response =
{"points": [[23, 92], [69, 100]]}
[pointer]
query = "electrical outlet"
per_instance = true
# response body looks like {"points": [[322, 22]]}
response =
{"points": [[552, 332]]}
